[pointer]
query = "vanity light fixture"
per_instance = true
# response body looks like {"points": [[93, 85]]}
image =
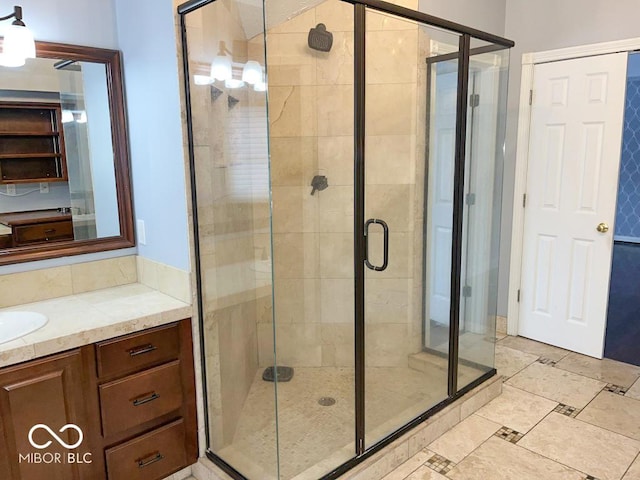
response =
{"points": [[222, 68], [252, 72], [18, 44], [221, 65]]}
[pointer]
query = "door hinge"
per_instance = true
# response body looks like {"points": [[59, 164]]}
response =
{"points": [[524, 200], [518, 295], [466, 291], [474, 100], [471, 199], [530, 97]]}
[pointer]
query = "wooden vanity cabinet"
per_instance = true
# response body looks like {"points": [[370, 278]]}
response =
{"points": [[48, 391], [146, 388], [132, 396], [37, 226]]}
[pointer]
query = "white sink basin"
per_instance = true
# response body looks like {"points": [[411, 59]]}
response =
{"points": [[17, 324]]}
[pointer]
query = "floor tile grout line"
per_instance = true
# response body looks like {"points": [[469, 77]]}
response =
{"points": [[587, 376], [553, 460], [531, 353], [522, 368], [535, 395], [580, 375], [581, 420], [634, 383], [557, 461], [479, 445], [542, 396], [539, 421], [557, 362], [523, 447], [631, 464], [574, 373], [600, 426], [414, 470]]}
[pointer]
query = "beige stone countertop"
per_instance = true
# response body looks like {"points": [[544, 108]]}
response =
{"points": [[85, 318]]}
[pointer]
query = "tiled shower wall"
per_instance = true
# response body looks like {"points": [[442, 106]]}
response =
{"points": [[311, 133], [628, 209]]}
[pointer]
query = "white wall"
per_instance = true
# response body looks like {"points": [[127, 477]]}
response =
{"points": [[487, 15], [544, 25], [147, 39], [82, 22]]}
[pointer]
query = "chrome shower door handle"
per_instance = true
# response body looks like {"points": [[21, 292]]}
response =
{"points": [[385, 258]]}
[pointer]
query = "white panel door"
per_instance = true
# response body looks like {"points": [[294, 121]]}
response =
{"points": [[574, 158], [441, 165]]}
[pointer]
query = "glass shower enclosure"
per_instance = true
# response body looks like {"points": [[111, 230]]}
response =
{"points": [[345, 164]]}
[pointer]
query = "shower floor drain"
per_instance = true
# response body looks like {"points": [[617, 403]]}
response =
{"points": [[327, 401]]}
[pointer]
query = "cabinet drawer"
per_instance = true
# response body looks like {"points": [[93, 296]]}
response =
{"points": [[6, 241], [43, 232], [152, 456], [140, 398], [134, 352]]}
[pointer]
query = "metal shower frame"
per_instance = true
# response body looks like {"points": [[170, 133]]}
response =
{"points": [[464, 51]]}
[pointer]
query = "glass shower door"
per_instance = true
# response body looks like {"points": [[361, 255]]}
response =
{"points": [[311, 157], [402, 381], [488, 68]]}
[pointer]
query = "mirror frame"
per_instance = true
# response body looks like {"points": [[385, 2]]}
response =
{"points": [[113, 63]]}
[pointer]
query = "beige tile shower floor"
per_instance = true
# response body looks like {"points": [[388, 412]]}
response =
{"points": [[561, 416], [314, 439]]}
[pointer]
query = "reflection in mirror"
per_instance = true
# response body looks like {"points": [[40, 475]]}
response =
{"points": [[64, 186]]}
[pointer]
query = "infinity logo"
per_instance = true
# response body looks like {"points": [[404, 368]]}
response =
{"points": [[56, 437]]}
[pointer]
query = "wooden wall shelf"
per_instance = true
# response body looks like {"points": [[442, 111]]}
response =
{"points": [[32, 149]]}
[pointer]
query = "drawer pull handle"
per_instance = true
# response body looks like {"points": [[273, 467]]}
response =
{"points": [[141, 401], [156, 457], [134, 352]]}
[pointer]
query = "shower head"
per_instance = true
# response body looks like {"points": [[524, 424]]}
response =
{"points": [[320, 39]]}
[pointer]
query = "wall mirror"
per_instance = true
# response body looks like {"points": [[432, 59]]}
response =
{"points": [[64, 163]]}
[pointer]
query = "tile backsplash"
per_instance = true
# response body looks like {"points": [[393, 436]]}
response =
{"points": [[37, 285], [167, 279], [44, 284]]}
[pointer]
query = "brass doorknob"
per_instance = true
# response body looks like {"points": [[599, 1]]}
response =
{"points": [[602, 228]]}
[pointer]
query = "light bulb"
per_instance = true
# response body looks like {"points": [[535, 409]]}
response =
{"points": [[83, 117], [18, 45], [252, 72], [67, 116], [260, 87], [233, 83], [221, 67]]}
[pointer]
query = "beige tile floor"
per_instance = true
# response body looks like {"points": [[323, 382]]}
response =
{"points": [[314, 439], [561, 416]]}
